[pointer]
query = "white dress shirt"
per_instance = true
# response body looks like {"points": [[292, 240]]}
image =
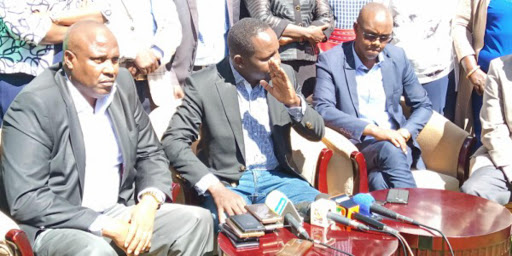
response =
{"points": [[371, 94]]}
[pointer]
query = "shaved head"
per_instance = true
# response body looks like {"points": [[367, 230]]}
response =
{"points": [[375, 12], [84, 32]]}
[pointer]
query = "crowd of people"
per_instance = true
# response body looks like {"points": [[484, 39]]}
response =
{"points": [[81, 164]]}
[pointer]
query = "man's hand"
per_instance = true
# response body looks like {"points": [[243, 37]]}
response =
{"points": [[316, 34], [146, 61], [227, 201], [282, 89], [140, 232], [117, 230], [392, 136], [478, 80]]}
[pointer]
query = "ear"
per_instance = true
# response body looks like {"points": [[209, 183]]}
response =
{"points": [[238, 61], [69, 57], [356, 27]]}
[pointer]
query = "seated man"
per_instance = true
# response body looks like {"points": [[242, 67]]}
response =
{"points": [[79, 151], [358, 90], [244, 121], [492, 178]]}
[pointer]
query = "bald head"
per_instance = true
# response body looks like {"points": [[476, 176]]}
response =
{"points": [[375, 12], [82, 33]]}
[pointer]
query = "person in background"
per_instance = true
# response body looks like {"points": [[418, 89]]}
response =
{"points": [[244, 152], [358, 91], [299, 25], [492, 178], [423, 30], [148, 33], [481, 31], [346, 11], [97, 178], [32, 34]]}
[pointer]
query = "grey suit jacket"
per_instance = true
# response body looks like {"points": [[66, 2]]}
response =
{"points": [[43, 159], [336, 99], [496, 116], [210, 109]]}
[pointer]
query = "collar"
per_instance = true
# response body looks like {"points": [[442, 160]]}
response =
{"points": [[81, 104], [359, 64], [240, 80]]}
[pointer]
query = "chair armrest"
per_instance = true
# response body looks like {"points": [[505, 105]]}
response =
{"points": [[346, 155], [463, 165], [20, 239], [321, 170]]}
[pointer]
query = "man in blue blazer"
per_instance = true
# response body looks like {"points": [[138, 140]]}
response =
{"points": [[358, 90]]}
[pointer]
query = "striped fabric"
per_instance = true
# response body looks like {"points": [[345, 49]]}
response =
{"points": [[346, 12]]}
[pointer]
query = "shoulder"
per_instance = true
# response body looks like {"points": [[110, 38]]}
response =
{"points": [[336, 52]]}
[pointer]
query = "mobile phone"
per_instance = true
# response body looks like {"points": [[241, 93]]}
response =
{"points": [[263, 213], [295, 247], [247, 223], [398, 196]]}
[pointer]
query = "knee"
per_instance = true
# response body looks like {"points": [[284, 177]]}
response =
{"points": [[390, 154], [201, 217], [472, 187]]}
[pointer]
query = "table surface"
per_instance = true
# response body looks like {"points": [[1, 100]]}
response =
{"points": [[456, 214], [352, 241], [473, 225]]}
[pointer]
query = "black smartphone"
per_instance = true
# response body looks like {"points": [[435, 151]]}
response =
{"points": [[247, 223], [398, 196]]}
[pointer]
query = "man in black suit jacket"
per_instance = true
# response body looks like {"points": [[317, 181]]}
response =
{"points": [[244, 122], [79, 152]]}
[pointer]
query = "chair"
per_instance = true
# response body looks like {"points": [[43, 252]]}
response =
{"points": [[337, 36], [15, 241], [445, 151]]}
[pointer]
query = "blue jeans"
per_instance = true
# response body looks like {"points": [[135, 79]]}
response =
{"points": [[388, 166], [441, 93], [254, 186]]}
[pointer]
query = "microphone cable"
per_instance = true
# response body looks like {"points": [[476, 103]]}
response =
{"points": [[330, 247], [405, 246], [441, 233]]}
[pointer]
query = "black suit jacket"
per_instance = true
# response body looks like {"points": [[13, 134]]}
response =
{"points": [[211, 109], [43, 158]]}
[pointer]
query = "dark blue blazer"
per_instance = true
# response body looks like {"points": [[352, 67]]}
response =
{"points": [[335, 96]]}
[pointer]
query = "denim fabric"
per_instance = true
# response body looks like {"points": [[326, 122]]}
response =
{"points": [[254, 186]]}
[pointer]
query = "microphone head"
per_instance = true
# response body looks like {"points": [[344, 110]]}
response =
{"points": [[365, 201], [280, 204]]}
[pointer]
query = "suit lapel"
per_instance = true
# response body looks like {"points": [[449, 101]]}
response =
{"points": [[226, 88], [349, 68], [387, 70], [116, 112], [75, 131]]}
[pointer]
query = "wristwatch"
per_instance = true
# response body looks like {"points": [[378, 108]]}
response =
{"points": [[154, 195]]}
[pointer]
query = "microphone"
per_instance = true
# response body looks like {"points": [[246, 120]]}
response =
{"points": [[280, 204], [375, 223], [367, 200], [322, 210]]}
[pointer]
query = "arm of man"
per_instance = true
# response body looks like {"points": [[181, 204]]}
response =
{"points": [[325, 98], [323, 16], [416, 98], [27, 141], [183, 130], [168, 34], [495, 130], [286, 90]]}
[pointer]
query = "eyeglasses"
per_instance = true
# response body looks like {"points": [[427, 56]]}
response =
{"points": [[382, 38]]}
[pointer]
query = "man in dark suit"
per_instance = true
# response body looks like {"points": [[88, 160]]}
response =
{"points": [[358, 90], [79, 152], [244, 122]]}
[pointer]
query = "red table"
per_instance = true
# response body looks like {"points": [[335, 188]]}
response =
{"points": [[473, 225], [355, 242]]}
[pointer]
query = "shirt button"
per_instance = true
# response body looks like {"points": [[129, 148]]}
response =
{"points": [[297, 7], [242, 168]]}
